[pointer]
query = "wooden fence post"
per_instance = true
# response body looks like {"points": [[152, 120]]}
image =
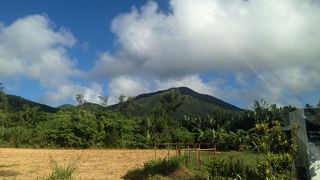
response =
{"points": [[168, 151], [189, 154], [155, 151], [199, 152], [196, 153]]}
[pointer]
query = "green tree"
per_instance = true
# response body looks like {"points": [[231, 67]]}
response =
{"points": [[261, 111], [104, 101], [3, 98], [30, 115], [80, 99], [181, 135], [121, 98], [85, 128], [127, 107], [3, 108], [170, 101], [279, 150]]}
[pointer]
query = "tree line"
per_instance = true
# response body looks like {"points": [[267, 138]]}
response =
{"points": [[83, 128]]}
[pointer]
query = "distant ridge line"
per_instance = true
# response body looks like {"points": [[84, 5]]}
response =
{"points": [[188, 91]]}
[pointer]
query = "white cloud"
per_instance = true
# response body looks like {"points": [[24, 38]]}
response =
{"points": [[257, 39], [194, 82], [31, 47], [68, 89], [128, 86], [133, 86]]}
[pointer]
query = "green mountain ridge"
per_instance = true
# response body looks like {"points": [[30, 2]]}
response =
{"points": [[16, 103], [185, 91], [193, 104]]}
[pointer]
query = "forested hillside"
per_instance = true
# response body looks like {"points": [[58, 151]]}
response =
{"points": [[16, 104], [24, 123], [190, 103]]}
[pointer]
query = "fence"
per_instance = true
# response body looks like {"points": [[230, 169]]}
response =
{"points": [[191, 151]]}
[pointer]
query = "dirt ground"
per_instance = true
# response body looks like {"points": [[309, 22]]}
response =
{"points": [[93, 164]]}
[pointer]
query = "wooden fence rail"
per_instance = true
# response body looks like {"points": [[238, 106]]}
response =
{"points": [[186, 149]]}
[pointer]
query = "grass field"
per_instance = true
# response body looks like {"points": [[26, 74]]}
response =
{"points": [[93, 164]]}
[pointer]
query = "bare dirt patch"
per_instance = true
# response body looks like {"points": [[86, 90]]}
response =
{"points": [[93, 164]]}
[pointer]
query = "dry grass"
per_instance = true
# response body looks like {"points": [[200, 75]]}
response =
{"points": [[93, 164]]}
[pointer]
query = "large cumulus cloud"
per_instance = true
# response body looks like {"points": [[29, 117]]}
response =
{"points": [[31, 47], [267, 47]]}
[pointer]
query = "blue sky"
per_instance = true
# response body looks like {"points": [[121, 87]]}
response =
{"points": [[238, 51]]}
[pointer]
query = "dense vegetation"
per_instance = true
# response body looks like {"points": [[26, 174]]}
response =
{"points": [[90, 125], [176, 115], [272, 158]]}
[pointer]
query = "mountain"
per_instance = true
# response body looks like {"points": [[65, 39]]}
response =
{"points": [[66, 107], [16, 103], [92, 107], [193, 103], [85, 106]]}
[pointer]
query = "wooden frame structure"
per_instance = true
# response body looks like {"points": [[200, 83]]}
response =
{"points": [[186, 149]]}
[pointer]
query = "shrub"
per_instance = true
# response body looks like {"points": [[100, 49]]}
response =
{"points": [[216, 167], [163, 167], [60, 172], [275, 166], [231, 168]]}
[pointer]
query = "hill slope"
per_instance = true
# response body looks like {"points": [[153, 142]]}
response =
{"points": [[193, 103], [15, 103]]}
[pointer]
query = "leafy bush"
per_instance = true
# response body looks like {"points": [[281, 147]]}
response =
{"points": [[163, 167], [275, 166], [216, 167], [231, 168]]}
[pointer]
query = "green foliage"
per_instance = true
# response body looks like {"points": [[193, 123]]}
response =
{"points": [[80, 99], [217, 167], [126, 107], [273, 166], [276, 166], [274, 139], [181, 135], [104, 101], [16, 104], [261, 111], [231, 168], [3, 99], [163, 167], [18, 136], [90, 125], [179, 102], [60, 172], [170, 101], [278, 163]]}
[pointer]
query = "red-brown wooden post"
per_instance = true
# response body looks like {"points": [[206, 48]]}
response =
{"points": [[168, 151], [199, 154], [155, 151]]}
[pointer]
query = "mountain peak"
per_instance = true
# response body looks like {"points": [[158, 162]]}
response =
{"points": [[193, 95]]}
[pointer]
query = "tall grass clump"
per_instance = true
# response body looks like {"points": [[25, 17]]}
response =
{"points": [[60, 172]]}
